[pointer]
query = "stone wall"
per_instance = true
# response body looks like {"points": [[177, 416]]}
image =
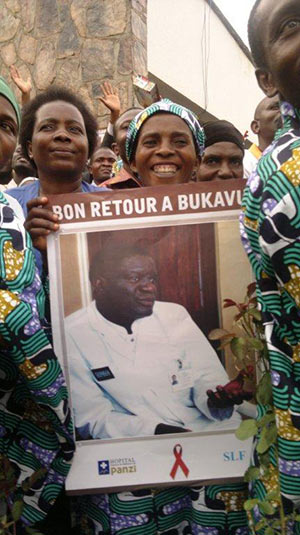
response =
{"points": [[77, 43]]}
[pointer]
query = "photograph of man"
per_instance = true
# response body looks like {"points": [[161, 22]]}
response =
{"points": [[139, 366]]}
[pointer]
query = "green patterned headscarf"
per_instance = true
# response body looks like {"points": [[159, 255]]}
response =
{"points": [[164, 106], [5, 91]]}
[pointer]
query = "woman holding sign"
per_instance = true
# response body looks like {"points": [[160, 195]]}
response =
{"points": [[164, 146]]}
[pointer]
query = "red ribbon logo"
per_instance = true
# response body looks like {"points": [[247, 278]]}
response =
{"points": [[179, 463]]}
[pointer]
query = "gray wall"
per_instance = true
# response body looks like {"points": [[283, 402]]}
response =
{"points": [[77, 43]]}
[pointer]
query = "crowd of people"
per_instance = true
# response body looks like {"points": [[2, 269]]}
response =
{"points": [[54, 147], [225, 157]]}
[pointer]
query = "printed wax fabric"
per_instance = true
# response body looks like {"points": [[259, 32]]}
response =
{"points": [[270, 233], [213, 510], [35, 423], [25, 193]]}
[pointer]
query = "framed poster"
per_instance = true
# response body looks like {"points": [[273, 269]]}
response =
{"points": [[137, 281]]}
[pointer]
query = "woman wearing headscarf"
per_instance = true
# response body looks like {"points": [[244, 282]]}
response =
{"points": [[164, 146], [224, 152], [36, 443], [170, 144]]}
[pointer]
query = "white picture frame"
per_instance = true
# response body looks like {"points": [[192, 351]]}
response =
{"points": [[103, 465]]}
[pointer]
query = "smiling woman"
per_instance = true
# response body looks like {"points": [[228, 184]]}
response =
{"points": [[165, 151], [164, 144]]}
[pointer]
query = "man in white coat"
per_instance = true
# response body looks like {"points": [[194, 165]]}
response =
{"points": [[140, 366]]}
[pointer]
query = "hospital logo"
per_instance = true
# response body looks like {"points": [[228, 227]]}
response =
{"points": [[103, 468], [113, 467]]}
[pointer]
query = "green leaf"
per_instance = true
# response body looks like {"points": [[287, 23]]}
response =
{"points": [[16, 510], [260, 525], [297, 518], [218, 334], [250, 504], [255, 343], [268, 437], [264, 460], [267, 419], [247, 429], [267, 508], [252, 474], [273, 495], [256, 314], [270, 531], [264, 390], [239, 347]]}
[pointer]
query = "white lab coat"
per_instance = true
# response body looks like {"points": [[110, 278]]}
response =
{"points": [[121, 384]]}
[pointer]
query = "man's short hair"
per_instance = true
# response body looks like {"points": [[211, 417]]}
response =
{"points": [[52, 94], [255, 38], [99, 147], [110, 256], [137, 108]]}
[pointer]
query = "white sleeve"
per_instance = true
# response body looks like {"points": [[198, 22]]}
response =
{"points": [[249, 164], [110, 129], [94, 414], [207, 368], [15, 206]]}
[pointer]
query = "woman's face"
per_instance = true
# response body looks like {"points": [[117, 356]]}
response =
{"points": [[165, 152], [220, 161], [8, 134], [59, 145]]}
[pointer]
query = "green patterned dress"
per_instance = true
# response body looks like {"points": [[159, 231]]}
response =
{"points": [[212, 510], [35, 423], [271, 236]]}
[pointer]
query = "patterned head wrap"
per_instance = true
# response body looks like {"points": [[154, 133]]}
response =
{"points": [[5, 91], [166, 106]]}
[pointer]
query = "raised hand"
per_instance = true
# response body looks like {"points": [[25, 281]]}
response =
{"points": [[111, 100], [24, 85]]}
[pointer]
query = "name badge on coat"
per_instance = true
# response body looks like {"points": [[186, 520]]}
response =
{"points": [[103, 374]]}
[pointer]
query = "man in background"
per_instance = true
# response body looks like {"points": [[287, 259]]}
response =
{"points": [[101, 165], [266, 121], [22, 168]]}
